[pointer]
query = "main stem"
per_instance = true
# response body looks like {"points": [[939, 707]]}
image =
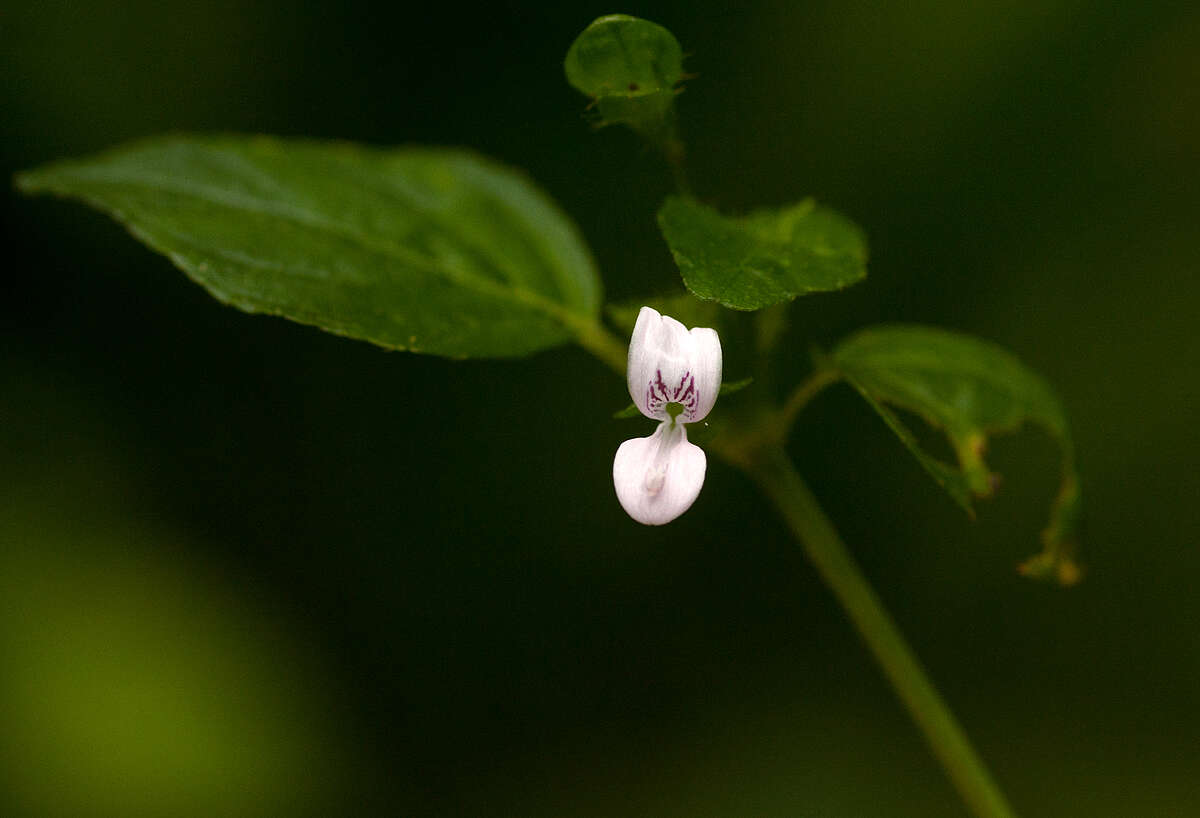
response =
{"points": [[774, 473], [769, 466]]}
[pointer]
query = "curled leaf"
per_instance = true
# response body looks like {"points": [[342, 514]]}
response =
{"points": [[970, 389]]}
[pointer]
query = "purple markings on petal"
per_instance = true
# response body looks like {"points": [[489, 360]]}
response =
{"points": [[658, 395], [686, 395]]}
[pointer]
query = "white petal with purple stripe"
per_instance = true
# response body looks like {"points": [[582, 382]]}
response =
{"points": [[674, 375]]}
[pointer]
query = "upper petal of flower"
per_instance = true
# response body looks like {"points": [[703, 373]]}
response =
{"points": [[659, 477], [706, 369], [669, 364]]}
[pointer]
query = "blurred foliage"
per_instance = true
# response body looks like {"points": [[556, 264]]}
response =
{"points": [[1025, 171], [141, 678]]}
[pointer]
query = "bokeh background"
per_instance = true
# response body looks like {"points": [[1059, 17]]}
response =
{"points": [[250, 569]]}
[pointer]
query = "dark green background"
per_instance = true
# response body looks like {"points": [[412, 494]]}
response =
{"points": [[413, 574]]}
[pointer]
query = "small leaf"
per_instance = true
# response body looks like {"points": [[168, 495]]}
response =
{"points": [[730, 387], [425, 249], [629, 67], [970, 389], [620, 55], [766, 257]]}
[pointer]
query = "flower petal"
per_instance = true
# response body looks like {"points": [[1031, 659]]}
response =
{"points": [[705, 364], [657, 478], [669, 364]]}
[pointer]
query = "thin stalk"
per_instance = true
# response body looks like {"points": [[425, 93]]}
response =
{"points": [[761, 456], [770, 324], [803, 393], [774, 473], [674, 151], [675, 160], [596, 339]]}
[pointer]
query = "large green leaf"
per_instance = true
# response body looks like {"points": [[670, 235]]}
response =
{"points": [[429, 250], [765, 257], [970, 389]]}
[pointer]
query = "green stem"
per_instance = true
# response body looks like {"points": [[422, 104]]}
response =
{"points": [[804, 393], [762, 457], [674, 152], [769, 326], [596, 339], [774, 473]]}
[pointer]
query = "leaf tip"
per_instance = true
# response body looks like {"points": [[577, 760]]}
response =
{"points": [[27, 181], [1052, 564]]}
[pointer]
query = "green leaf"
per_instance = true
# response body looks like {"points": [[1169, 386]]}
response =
{"points": [[629, 67], [425, 249], [970, 389], [949, 477], [630, 411], [766, 257], [622, 56], [732, 387]]}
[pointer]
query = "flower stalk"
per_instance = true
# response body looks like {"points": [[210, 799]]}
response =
{"points": [[772, 470], [756, 447]]}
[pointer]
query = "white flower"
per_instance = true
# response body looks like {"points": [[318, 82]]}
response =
{"points": [[674, 376]]}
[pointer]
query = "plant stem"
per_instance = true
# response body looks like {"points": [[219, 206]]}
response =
{"points": [[803, 393], [774, 473], [769, 326], [678, 170], [769, 466], [596, 339]]}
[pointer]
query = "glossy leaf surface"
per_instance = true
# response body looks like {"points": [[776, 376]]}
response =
{"points": [[430, 250], [765, 257]]}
